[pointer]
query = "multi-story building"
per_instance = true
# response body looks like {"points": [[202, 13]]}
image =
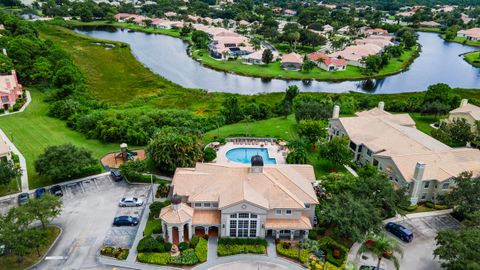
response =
{"points": [[235, 200], [412, 159], [10, 90], [467, 112]]}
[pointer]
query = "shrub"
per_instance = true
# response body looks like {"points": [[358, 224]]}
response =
{"points": [[429, 204], [10, 109], [194, 241], [231, 246], [187, 257], [293, 253], [115, 252], [155, 208], [123, 254], [316, 232], [149, 244], [242, 241], [168, 246], [209, 154], [106, 251], [16, 107], [328, 245], [183, 246], [154, 258], [2, 110], [412, 207], [441, 206], [201, 249]]}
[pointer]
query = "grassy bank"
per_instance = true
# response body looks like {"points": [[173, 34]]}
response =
{"points": [[9, 262], [274, 70], [32, 131], [429, 29], [473, 58], [464, 41]]}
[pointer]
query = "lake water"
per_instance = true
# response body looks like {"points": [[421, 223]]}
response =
{"points": [[439, 62]]}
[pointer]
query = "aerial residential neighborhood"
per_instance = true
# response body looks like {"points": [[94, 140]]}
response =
{"points": [[236, 134]]}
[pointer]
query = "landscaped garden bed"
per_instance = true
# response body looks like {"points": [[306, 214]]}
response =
{"points": [[232, 246], [156, 251], [293, 251], [115, 252]]}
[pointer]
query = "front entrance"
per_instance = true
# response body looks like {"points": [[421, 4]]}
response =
{"points": [[175, 235], [213, 231], [199, 231]]}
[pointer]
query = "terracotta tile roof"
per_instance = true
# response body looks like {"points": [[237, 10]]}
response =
{"points": [[472, 32], [176, 216], [302, 223], [278, 186], [357, 52], [292, 58], [469, 109], [206, 217]]}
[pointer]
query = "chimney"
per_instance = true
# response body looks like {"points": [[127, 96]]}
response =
{"points": [[463, 102], [381, 105], [419, 170], [257, 164], [336, 112]]}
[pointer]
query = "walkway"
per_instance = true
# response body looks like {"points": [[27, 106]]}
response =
{"points": [[23, 163]]}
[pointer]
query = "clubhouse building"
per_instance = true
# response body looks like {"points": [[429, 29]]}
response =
{"points": [[237, 200]]}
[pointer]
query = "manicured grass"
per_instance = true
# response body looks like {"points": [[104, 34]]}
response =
{"points": [[423, 122], [9, 262], [321, 165], [279, 127], [274, 70], [152, 224], [463, 40], [429, 29], [473, 58], [32, 131]]}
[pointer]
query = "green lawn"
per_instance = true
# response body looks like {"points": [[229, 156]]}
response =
{"points": [[423, 121], [463, 40], [473, 58], [274, 70], [152, 224], [32, 131], [429, 29], [9, 262], [279, 127]]}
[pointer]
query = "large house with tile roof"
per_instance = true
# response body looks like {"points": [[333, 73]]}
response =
{"points": [[468, 112], [237, 200], [10, 90], [412, 159]]}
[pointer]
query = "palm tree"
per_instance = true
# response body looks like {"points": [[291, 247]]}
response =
{"points": [[380, 245]]}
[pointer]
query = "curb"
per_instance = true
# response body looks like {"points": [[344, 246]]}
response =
{"points": [[49, 249]]}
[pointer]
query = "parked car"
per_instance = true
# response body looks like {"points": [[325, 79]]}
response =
{"points": [[116, 175], [130, 201], [56, 190], [39, 192], [125, 221], [23, 198], [369, 267], [399, 231]]}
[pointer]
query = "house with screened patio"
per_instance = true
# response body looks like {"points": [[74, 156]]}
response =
{"points": [[238, 200]]}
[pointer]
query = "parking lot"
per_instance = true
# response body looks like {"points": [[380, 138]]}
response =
{"points": [[418, 254], [89, 208]]}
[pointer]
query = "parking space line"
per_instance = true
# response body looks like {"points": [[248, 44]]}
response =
{"points": [[81, 185]]}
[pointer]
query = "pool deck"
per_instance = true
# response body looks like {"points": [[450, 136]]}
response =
{"points": [[273, 152]]}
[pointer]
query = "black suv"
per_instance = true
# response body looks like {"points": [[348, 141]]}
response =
{"points": [[116, 175], [56, 190], [125, 221], [399, 231]]}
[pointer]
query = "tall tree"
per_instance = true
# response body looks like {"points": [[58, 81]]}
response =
{"points": [[464, 196], [336, 151], [267, 56], [379, 245], [311, 130], [8, 171], [45, 208]]}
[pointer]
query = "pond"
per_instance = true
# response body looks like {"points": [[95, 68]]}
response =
{"points": [[439, 62]]}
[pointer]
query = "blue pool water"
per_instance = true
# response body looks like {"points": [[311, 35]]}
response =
{"points": [[243, 155]]}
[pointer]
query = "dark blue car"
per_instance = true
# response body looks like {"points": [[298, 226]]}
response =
{"points": [[399, 231], [125, 221], [39, 192]]}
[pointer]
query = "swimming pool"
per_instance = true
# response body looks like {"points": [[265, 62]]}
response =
{"points": [[243, 155]]}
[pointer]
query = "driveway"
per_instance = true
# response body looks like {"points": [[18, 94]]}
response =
{"points": [[86, 220], [418, 254]]}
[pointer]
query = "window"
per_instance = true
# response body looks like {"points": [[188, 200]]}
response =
{"points": [[253, 215], [360, 148], [426, 184], [288, 212], [197, 204], [369, 152], [278, 212], [4, 99], [375, 162], [207, 205], [233, 228], [353, 146], [424, 196], [233, 216], [243, 225], [445, 185], [215, 205], [243, 215], [307, 206]]}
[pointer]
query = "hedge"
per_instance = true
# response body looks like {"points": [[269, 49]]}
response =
{"points": [[154, 258], [115, 252], [327, 245], [315, 232], [187, 257], [292, 253], [243, 241], [194, 241], [150, 244], [201, 249], [228, 250]]}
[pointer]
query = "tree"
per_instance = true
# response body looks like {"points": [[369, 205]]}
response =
{"points": [[133, 170], [6, 64], [440, 92], [380, 245], [311, 130], [64, 162], [45, 209], [350, 216], [267, 56], [297, 153], [464, 196], [313, 110], [291, 92], [336, 151], [373, 63], [8, 171], [436, 108], [171, 148], [231, 110], [200, 39], [41, 70], [409, 38], [458, 133], [308, 65], [14, 232]]}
